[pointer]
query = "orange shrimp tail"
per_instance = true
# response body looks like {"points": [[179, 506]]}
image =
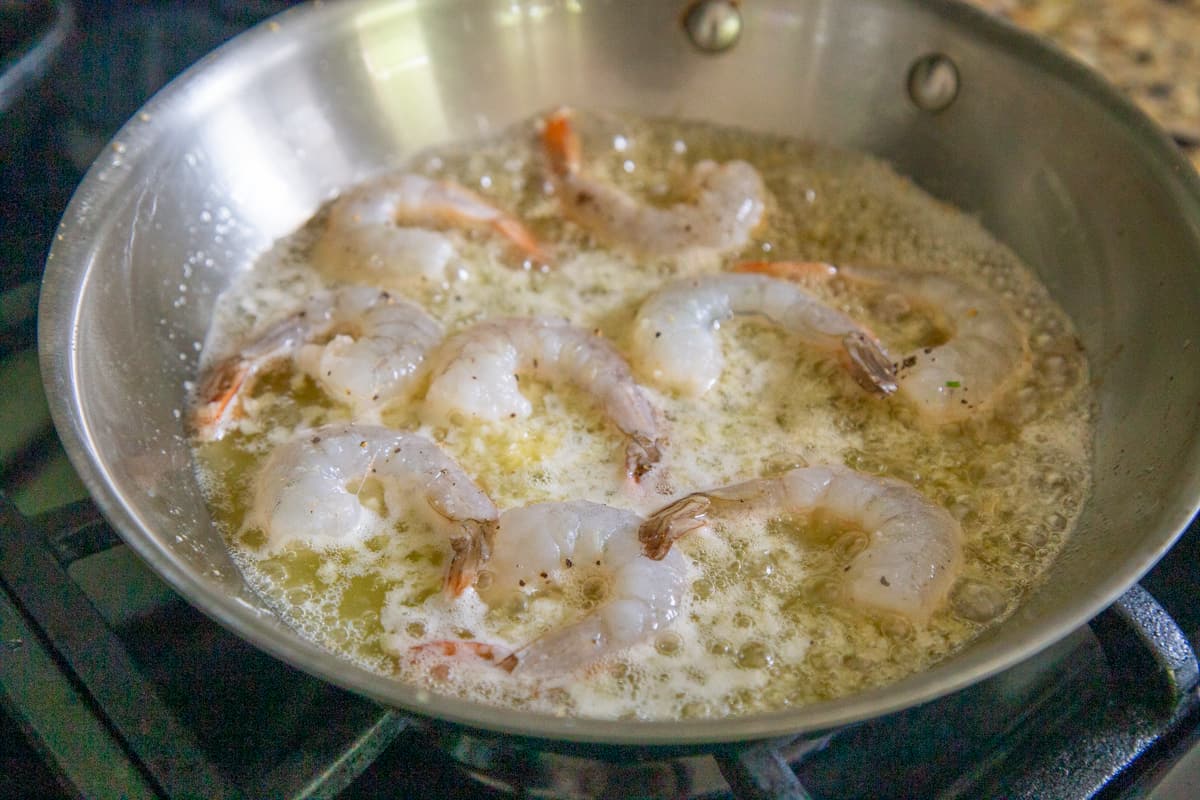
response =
{"points": [[561, 143], [220, 388], [468, 648], [471, 551], [789, 270], [463, 568], [523, 238]]}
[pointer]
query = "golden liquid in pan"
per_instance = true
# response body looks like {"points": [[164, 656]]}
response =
{"points": [[764, 623]]}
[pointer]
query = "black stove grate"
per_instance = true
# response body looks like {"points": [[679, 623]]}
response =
{"points": [[137, 695]]}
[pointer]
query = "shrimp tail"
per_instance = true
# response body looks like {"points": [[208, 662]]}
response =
{"points": [[455, 649], [865, 358], [641, 454], [219, 390], [521, 237], [557, 651], [789, 270], [471, 551], [869, 365], [663, 527], [561, 143]]}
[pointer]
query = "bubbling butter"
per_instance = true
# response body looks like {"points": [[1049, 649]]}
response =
{"points": [[764, 623]]}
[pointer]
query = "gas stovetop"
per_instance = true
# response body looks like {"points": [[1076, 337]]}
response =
{"points": [[113, 686]]}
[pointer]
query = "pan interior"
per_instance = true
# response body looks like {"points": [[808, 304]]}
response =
{"points": [[244, 147]]}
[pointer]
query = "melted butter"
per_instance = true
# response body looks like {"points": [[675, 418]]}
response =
{"points": [[764, 624]]}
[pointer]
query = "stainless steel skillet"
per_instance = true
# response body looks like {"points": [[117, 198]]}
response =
{"points": [[241, 149]]}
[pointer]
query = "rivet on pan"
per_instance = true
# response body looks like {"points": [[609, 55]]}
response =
{"points": [[933, 82], [713, 25]]}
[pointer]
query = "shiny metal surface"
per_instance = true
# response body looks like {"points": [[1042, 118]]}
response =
{"points": [[245, 146], [713, 25], [933, 82]]}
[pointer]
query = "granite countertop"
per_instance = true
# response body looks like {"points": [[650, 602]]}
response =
{"points": [[1148, 48]]}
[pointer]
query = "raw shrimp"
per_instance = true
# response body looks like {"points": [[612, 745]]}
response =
{"points": [[727, 203], [465, 648], [476, 373], [363, 346], [914, 548], [537, 544], [383, 225], [987, 348], [308, 491], [675, 333]]}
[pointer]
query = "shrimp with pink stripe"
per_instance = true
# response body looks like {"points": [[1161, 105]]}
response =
{"points": [[476, 374], [388, 225], [363, 346], [914, 548], [728, 202], [675, 339], [545, 543], [984, 354], [308, 491]]}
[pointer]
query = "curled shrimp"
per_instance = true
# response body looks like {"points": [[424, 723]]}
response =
{"points": [[539, 544], [914, 548], [383, 224], [361, 345], [308, 491], [476, 373], [987, 348], [675, 332], [728, 201]]}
